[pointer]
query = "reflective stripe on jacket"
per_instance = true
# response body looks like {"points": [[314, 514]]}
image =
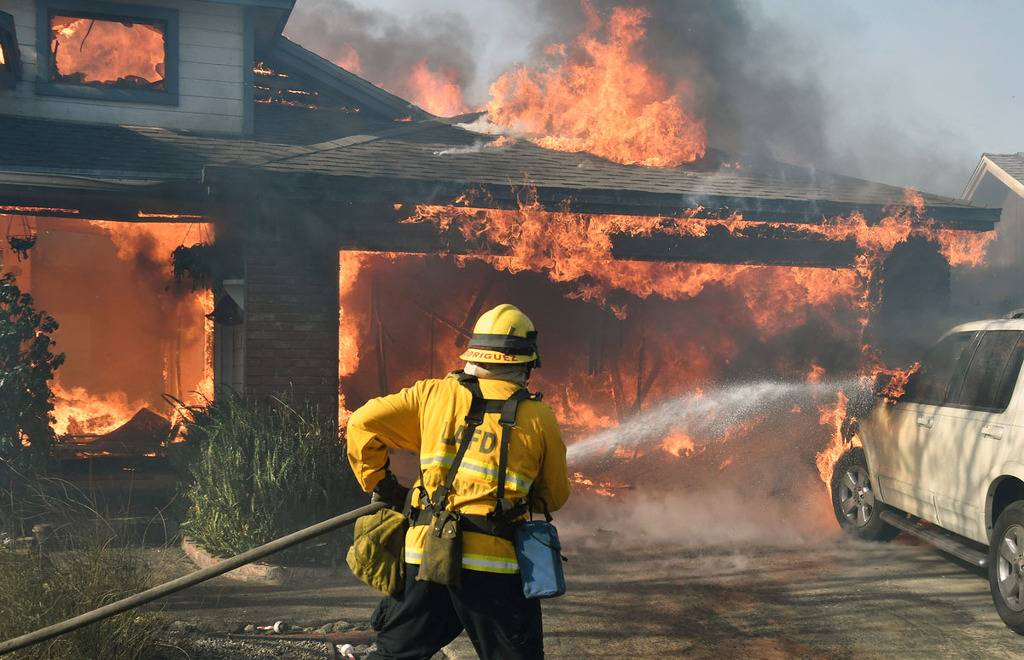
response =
{"points": [[425, 419]]}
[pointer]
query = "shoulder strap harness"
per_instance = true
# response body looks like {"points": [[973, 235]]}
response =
{"points": [[504, 512]]}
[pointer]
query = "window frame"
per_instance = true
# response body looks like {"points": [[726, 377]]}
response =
{"points": [[45, 9]]}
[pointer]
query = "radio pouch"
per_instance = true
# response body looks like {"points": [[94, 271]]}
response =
{"points": [[539, 554]]}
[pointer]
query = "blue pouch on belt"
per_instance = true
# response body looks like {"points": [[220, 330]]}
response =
{"points": [[540, 559]]}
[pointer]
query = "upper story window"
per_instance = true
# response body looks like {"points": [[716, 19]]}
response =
{"points": [[110, 51]]}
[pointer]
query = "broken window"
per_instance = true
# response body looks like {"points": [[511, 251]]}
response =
{"points": [[88, 50]]}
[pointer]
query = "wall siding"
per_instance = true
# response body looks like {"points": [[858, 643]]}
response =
{"points": [[211, 74]]}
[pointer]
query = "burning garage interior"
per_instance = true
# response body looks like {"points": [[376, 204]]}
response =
{"points": [[217, 209]]}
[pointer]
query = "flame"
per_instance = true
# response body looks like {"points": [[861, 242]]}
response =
{"points": [[832, 417], [602, 488], [897, 385], [350, 263], [603, 99], [83, 408], [90, 50], [815, 374], [350, 61], [678, 444], [77, 412], [436, 91]]}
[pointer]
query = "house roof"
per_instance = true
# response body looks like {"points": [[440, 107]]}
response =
{"points": [[355, 142], [351, 155], [993, 175]]}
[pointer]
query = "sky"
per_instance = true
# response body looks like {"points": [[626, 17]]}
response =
{"points": [[913, 91]]}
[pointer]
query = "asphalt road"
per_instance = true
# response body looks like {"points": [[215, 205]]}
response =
{"points": [[834, 597]]}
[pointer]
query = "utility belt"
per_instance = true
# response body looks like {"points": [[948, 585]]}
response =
{"points": [[477, 524]]}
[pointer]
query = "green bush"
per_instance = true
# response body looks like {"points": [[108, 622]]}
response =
{"points": [[259, 470], [26, 367]]}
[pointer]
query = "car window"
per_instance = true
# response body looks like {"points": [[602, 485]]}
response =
{"points": [[931, 382], [992, 375]]}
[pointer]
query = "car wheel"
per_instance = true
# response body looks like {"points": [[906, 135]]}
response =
{"points": [[1006, 566], [853, 499]]}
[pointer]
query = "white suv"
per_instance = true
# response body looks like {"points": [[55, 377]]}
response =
{"points": [[946, 460]]}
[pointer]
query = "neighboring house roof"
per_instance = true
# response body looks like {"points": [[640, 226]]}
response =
{"points": [[992, 170]]}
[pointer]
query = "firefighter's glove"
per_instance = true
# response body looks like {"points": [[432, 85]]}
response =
{"points": [[389, 491]]}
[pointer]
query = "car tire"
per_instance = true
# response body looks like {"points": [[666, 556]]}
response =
{"points": [[853, 499], [1006, 567]]}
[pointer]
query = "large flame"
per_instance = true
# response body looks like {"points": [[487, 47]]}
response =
{"points": [[601, 97], [92, 50], [438, 91], [128, 331]]}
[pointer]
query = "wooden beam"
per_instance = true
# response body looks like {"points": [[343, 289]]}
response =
{"points": [[719, 247], [163, 203]]}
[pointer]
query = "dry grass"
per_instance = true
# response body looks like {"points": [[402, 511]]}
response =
{"points": [[84, 564]]}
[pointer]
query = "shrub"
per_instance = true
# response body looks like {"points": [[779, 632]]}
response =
{"points": [[26, 366], [259, 470]]}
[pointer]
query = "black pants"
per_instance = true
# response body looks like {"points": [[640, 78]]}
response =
{"points": [[490, 606]]}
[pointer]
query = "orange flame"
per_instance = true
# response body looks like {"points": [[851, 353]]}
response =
{"points": [[897, 385], [678, 444], [832, 417], [436, 91], [604, 99], [603, 488], [93, 50], [79, 410]]}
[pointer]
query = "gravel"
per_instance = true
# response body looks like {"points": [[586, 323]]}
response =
{"points": [[224, 647]]}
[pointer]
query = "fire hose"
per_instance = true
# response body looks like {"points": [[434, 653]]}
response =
{"points": [[189, 580]]}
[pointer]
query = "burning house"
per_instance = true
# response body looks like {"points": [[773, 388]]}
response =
{"points": [[337, 241]]}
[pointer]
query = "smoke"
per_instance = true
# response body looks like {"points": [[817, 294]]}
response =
{"points": [[383, 49], [710, 517], [773, 86]]}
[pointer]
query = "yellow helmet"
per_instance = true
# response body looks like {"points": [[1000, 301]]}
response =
{"points": [[503, 335]]}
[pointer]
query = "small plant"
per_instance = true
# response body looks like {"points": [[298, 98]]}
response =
{"points": [[262, 469], [27, 365]]}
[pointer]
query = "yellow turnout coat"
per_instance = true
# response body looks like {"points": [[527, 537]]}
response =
{"points": [[426, 419]]}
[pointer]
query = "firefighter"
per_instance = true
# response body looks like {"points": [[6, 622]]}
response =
{"points": [[430, 418]]}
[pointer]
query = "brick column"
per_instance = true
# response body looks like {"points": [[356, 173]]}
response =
{"points": [[291, 318]]}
